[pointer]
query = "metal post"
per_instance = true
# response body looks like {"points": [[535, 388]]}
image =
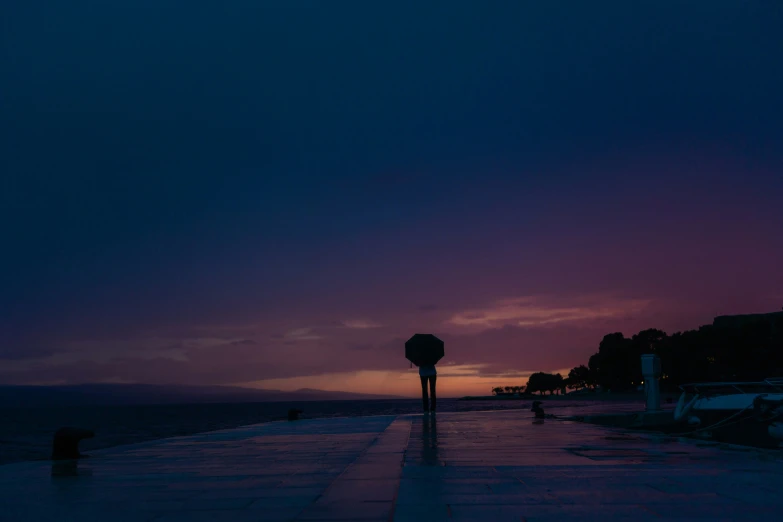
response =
{"points": [[651, 370]]}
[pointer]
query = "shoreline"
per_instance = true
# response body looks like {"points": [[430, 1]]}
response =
{"points": [[608, 397]]}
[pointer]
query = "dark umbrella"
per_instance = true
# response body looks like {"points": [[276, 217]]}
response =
{"points": [[424, 349]]}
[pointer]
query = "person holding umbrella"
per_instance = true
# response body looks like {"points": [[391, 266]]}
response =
{"points": [[425, 350]]}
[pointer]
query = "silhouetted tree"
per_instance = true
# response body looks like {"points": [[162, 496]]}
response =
{"points": [[558, 383], [497, 390], [579, 377], [617, 365], [648, 341], [536, 383], [544, 382]]}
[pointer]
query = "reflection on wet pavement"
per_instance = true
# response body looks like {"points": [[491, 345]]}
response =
{"points": [[428, 441], [492, 466]]}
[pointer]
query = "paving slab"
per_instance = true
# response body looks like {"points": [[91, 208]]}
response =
{"points": [[491, 466]]}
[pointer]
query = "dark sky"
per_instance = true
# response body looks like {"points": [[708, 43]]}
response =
{"points": [[204, 193]]}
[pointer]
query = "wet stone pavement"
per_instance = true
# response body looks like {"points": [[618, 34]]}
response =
{"points": [[488, 466]]}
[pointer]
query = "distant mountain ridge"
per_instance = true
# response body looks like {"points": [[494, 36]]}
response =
{"points": [[127, 394]]}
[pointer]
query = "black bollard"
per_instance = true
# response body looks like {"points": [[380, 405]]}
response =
{"points": [[293, 414], [66, 443]]}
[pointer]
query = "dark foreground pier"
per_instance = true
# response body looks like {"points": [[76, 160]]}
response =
{"points": [[482, 466]]}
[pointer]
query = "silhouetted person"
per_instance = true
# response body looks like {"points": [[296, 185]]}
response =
{"points": [[428, 374]]}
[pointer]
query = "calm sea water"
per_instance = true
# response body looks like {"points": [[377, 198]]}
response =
{"points": [[26, 434]]}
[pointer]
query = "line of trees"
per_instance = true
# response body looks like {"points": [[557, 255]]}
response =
{"points": [[746, 351], [539, 382], [507, 390]]}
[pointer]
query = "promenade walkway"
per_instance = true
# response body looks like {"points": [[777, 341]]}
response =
{"points": [[488, 466]]}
